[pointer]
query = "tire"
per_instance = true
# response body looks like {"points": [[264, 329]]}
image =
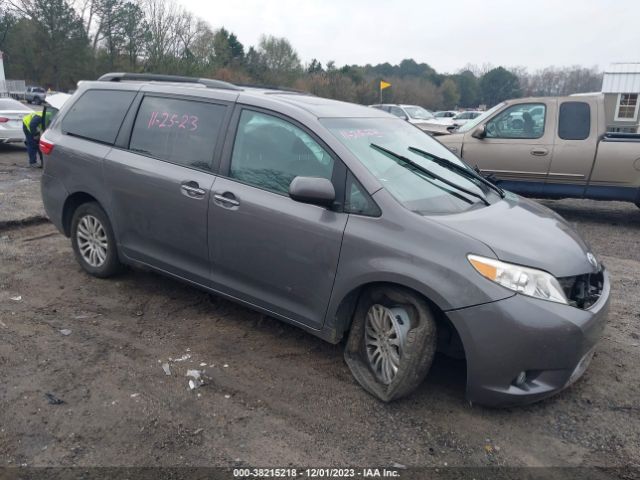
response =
{"points": [[414, 344], [93, 241]]}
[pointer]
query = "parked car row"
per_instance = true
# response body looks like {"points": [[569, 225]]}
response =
{"points": [[435, 123]]}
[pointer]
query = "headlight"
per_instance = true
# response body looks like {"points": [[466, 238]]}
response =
{"points": [[528, 281]]}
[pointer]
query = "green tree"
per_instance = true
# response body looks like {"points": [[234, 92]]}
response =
{"points": [[498, 85], [51, 42], [469, 89], [450, 95], [227, 49], [134, 32], [281, 60], [315, 67]]}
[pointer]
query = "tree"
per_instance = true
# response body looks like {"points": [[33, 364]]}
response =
{"points": [[450, 95], [498, 85], [51, 42], [281, 60], [315, 67], [227, 49], [469, 89], [134, 31]]}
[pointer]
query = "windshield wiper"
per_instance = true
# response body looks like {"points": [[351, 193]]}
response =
{"points": [[448, 164], [430, 174]]}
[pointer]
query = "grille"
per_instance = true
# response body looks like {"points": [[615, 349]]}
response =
{"points": [[583, 291]]}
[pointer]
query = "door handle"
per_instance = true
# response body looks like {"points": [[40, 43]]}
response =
{"points": [[192, 189], [539, 152], [231, 201]]}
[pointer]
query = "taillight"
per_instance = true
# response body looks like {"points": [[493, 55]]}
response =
{"points": [[4, 119], [46, 147]]}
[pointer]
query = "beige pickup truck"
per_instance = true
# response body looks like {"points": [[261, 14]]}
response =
{"points": [[552, 147]]}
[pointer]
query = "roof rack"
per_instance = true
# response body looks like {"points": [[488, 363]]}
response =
{"points": [[273, 88], [152, 77]]}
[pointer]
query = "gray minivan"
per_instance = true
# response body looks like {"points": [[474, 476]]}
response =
{"points": [[343, 220]]}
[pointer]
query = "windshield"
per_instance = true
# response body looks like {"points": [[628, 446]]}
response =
{"points": [[10, 104], [378, 143], [470, 125], [419, 113]]}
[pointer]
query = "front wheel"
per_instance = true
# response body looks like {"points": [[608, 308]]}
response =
{"points": [[93, 241], [391, 343]]}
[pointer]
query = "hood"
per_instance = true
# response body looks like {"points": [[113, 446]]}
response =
{"points": [[429, 126], [57, 100], [526, 233], [453, 138]]}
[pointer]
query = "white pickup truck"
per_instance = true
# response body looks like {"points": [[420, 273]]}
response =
{"points": [[552, 147]]}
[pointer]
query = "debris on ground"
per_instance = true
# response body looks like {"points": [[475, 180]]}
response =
{"points": [[225, 365], [134, 395], [398, 466], [52, 399], [186, 356], [203, 364], [2, 324], [66, 332], [17, 298], [197, 381], [167, 369]]}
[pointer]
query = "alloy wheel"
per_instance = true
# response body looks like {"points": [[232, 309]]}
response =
{"points": [[92, 241], [385, 335]]}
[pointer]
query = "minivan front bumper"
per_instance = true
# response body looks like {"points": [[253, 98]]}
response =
{"points": [[550, 342]]}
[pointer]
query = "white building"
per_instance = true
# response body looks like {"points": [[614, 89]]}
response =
{"points": [[621, 88]]}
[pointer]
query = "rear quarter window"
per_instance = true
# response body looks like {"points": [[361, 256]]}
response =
{"points": [[97, 115], [575, 121], [179, 131]]}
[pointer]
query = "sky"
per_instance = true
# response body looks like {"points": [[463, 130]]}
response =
{"points": [[446, 34]]}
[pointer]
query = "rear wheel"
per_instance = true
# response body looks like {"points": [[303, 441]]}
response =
{"points": [[391, 343], [93, 241]]}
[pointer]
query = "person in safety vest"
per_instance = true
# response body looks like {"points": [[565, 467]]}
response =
{"points": [[32, 126]]}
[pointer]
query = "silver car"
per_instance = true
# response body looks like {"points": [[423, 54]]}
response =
{"points": [[343, 220], [11, 114]]}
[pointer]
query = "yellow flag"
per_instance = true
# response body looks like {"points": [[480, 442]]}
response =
{"points": [[384, 84]]}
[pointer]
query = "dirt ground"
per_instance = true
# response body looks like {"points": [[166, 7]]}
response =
{"points": [[273, 395]]}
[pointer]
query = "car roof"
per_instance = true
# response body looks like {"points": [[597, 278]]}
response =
{"points": [[318, 107]]}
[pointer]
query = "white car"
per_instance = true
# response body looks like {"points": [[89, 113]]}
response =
{"points": [[11, 114], [445, 114], [463, 117], [416, 115]]}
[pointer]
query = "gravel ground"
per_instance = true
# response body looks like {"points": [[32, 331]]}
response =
{"points": [[273, 395], [19, 187]]}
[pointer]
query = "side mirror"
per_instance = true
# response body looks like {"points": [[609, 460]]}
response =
{"points": [[480, 132], [313, 190]]}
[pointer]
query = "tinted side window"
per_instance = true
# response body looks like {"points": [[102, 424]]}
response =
{"points": [[575, 121], [97, 115], [178, 131], [270, 152], [525, 120]]}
